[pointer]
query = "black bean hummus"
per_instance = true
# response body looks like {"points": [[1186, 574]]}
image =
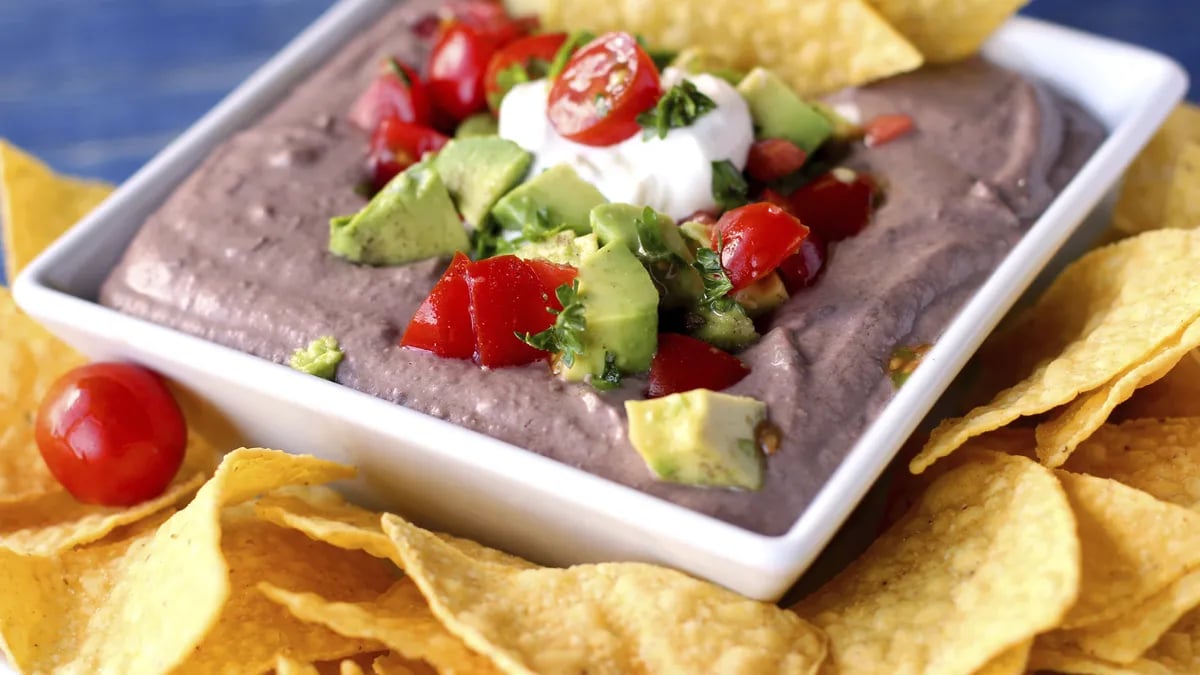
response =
{"points": [[239, 255]]}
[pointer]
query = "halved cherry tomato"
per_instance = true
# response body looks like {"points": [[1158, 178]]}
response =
{"points": [[684, 363], [773, 158], [754, 239], [837, 204], [801, 270], [530, 57], [886, 128], [507, 298], [111, 434], [397, 92], [552, 276], [442, 324], [397, 145], [605, 85], [456, 68], [489, 18]]}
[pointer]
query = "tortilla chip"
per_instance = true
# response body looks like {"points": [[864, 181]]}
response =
{"points": [[1183, 197], [1066, 661], [817, 46], [986, 560], [39, 205], [285, 665], [1058, 437], [1151, 178], [947, 30], [1010, 662], [1176, 394], [1107, 312], [400, 619], [394, 664], [615, 617], [146, 596], [1179, 650], [1159, 457]]}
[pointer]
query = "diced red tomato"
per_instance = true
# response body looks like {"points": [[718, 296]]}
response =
{"points": [[886, 128], [802, 269], [507, 298], [754, 239], [111, 434], [605, 85], [684, 363], [552, 276], [533, 54], [397, 145], [442, 324], [773, 197], [398, 93], [837, 204], [773, 158], [489, 18], [456, 69]]}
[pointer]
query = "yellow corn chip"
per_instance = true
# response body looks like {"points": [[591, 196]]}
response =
{"points": [[400, 620], [1010, 662], [1176, 394], [1058, 437], [1046, 658], [285, 665], [987, 559], [1179, 650], [616, 617], [39, 205], [394, 664], [1183, 197], [1159, 457], [817, 46], [1107, 312], [1149, 181], [947, 30]]}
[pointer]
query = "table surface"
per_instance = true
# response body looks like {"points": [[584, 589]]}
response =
{"points": [[96, 87]]}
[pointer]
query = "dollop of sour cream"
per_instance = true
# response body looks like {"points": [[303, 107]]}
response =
{"points": [[673, 175]]}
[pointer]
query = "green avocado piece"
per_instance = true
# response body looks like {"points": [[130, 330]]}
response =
{"points": [[558, 192], [479, 170], [696, 235], [411, 218], [843, 129], [780, 113], [727, 328], [479, 124], [699, 437], [321, 357], [656, 240], [762, 296], [696, 60], [563, 248], [620, 305]]}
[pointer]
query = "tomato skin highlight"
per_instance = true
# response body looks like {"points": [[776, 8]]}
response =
{"points": [[838, 204], [521, 51], [753, 240], [507, 298], [886, 128], [397, 145], [605, 85], [111, 434], [457, 67], [390, 96], [684, 363], [773, 158], [442, 324]]}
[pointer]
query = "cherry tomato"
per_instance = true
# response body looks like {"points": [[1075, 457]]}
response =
{"points": [[489, 18], [507, 298], [837, 204], [605, 85], [111, 434], [397, 145], [754, 239], [886, 128], [442, 324], [773, 158], [531, 55], [397, 92], [456, 68], [684, 363], [552, 276], [802, 269]]}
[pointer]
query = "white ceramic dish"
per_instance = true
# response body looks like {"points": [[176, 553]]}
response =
{"points": [[452, 478]]}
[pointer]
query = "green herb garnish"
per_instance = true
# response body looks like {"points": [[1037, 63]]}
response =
{"points": [[729, 186], [398, 71], [650, 244], [576, 40], [682, 105], [565, 337], [611, 377], [517, 73], [716, 283], [904, 361]]}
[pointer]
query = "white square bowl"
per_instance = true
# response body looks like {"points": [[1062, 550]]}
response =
{"points": [[455, 479]]}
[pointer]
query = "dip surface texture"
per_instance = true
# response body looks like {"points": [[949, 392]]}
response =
{"points": [[238, 255]]}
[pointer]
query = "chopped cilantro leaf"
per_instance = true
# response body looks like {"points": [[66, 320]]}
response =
{"points": [[576, 40], [398, 71], [682, 105], [565, 337], [650, 244], [729, 186], [611, 377], [716, 283]]}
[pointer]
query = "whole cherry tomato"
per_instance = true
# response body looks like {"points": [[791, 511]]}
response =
{"points": [[605, 85], [754, 239], [398, 93], [525, 59], [111, 434], [684, 363], [456, 68], [397, 145]]}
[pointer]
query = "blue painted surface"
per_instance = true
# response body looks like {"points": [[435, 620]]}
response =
{"points": [[96, 87]]}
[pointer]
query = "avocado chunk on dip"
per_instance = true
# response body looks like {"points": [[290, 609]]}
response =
{"points": [[780, 113], [321, 357], [558, 195], [655, 239], [699, 437], [563, 248], [478, 170]]}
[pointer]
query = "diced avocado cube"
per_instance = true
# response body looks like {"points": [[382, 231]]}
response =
{"points": [[728, 328], [620, 306], [564, 198], [411, 218], [700, 437], [779, 112], [479, 124], [696, 60], [563, 248], [762, 296], [320, 358], [696, 235], [479, 170], [843, 129], [655, 239]]}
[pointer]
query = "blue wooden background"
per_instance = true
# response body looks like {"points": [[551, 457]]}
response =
{"points": [[96, 87]]}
